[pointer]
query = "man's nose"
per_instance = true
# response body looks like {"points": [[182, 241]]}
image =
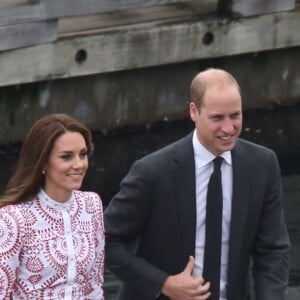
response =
{"points": [[228, 126]]}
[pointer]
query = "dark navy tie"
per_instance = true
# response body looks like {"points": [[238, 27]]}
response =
{"points": [[213, 231]]}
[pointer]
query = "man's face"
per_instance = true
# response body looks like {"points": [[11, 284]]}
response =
{"points": [[219, 121]]}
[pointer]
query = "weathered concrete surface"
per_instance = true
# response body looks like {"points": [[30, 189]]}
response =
{"points": [[238, 8], [100, 45], [146, 96]]}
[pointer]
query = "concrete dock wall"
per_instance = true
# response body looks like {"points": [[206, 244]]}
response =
{"points": [[147, 95], [130, 63]]}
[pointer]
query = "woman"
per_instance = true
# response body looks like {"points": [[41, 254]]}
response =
{"points": [[52, 234]]}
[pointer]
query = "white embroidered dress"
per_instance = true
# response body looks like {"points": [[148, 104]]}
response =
{"points": [[51, 250]]}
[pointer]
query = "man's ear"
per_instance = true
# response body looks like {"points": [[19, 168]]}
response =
{"points": [[193, 111]]}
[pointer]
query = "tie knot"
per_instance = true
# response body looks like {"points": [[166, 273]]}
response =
{"points": [[217, 162]]}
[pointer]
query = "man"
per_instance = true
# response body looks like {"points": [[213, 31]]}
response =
{"points": [[162, 205]]}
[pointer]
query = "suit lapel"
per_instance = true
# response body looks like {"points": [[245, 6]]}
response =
{"points": [[184, 176], [240, 202]]}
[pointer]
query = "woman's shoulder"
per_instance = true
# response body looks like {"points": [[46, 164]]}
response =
{"points": [[12, 218], [87, 194], [90, 198], [13, 209]]}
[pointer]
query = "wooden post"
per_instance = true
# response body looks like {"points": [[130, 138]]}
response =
{"points": [[244, 8]]}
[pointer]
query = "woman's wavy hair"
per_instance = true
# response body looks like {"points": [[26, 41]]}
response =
{"points": [[37, 146]]}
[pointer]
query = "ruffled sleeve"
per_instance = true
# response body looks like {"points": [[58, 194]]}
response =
{"points": [[10, 247]]}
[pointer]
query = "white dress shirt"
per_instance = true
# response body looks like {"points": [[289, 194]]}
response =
{"points": [[203, 169]]}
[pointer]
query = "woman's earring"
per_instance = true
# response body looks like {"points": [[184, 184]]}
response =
{"points": [[43, 172]]}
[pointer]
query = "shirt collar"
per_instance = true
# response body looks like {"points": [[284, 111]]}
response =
{"points": [[203, 156]]}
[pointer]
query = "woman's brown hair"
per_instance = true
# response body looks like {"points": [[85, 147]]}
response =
{"points": [[37, 146]]}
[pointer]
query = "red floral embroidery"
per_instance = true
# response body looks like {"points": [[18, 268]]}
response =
{"points": [[44, 249]]}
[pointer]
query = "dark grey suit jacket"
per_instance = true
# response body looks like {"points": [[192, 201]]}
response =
{"points": [[156, 206]]}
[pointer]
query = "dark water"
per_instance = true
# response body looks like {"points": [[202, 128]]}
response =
{"points": [[115, 152]]}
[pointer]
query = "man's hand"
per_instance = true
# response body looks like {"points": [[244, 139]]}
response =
{"points": [[184, 286]]}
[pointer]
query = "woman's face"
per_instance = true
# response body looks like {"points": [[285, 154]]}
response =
{"points": [[66, 166]]}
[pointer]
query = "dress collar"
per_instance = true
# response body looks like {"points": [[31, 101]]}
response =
{"points": [[44, 198]]}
